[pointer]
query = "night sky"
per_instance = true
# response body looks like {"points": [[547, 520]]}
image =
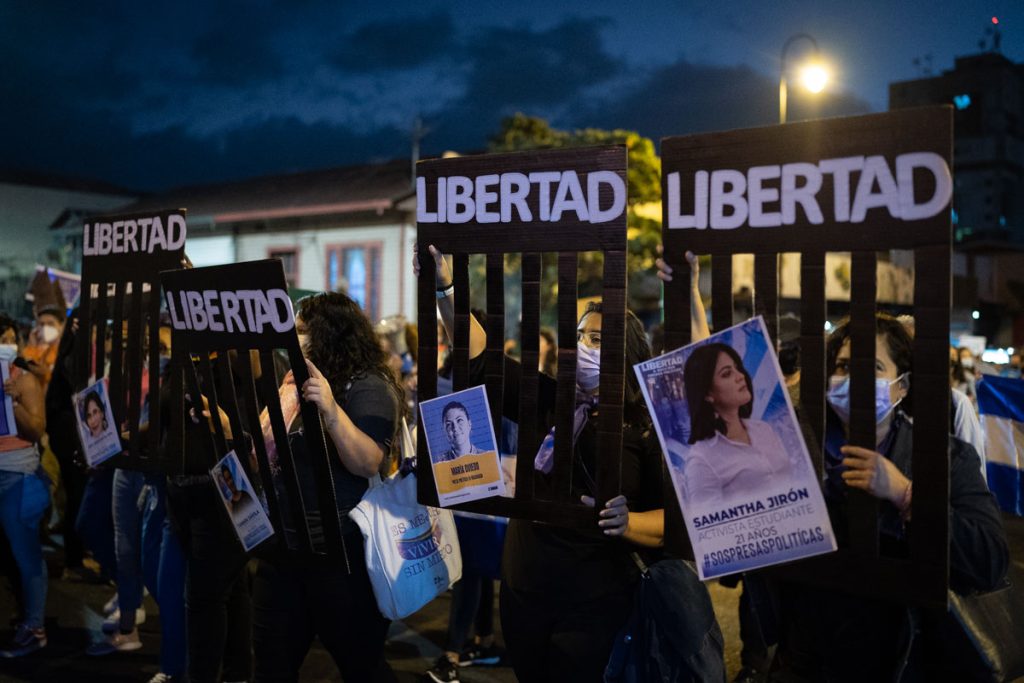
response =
{"points": [[150, 95]]}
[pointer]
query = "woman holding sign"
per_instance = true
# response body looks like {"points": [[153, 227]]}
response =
{"points": [[23, 495], [567, 592], [359, 401], [837, 636]]}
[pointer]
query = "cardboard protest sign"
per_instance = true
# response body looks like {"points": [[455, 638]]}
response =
{"points": [[567, 201], [864, 185], [739, 467], [232, 325], [7, 425], [119, 320], [241, 502], [70, 284], [97, 428], [463, 450]]}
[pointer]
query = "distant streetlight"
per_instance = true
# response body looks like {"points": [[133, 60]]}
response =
{"points": [[813, 76]]}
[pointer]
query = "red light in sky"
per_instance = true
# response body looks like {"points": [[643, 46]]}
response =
{"points": [[995, 20]]}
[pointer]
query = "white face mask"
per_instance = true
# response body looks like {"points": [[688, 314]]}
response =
{"points": [[8, 352], [303, 342], [588, 367], [48, 333]]}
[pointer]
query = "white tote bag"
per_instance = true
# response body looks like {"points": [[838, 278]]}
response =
{"points": [[412, 551]]}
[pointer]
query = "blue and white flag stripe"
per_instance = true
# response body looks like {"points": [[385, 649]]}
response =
{"points": [[1001, 405]]}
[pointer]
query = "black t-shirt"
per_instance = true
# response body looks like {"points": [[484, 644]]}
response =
{"points": [[372, 407]]}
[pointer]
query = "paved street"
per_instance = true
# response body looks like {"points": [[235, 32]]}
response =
{"points": [[73, 621]]}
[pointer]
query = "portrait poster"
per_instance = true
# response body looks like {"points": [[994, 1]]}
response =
{"points": [[7, 425], [462, 447], [96, 425], [739, 466], [250, 520]]}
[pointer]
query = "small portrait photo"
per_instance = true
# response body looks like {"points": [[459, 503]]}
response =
{"points": [[462, 445], [458, 424], [722, 409], [233, 486], [96, 424]]}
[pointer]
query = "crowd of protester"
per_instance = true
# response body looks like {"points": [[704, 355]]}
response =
{"points": [[564, 593]]}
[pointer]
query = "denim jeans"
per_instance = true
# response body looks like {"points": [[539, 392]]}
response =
{"points": [[149, 554], [95, 523], [23, 499]]}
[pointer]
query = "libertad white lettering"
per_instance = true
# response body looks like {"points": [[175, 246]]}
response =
{"points": [[497, 198], [240, 310], [726, 199], [139, 235]]}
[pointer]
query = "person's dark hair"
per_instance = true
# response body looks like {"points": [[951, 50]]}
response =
{"points": [[453, 405], [549, 361], [224, 469], [8, 323], [637, 351], [899, 342], [343, 345], [698, 376]]}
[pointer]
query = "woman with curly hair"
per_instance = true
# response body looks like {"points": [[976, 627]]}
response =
{"points": [[359, 403]]}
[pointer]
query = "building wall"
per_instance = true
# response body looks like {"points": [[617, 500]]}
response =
{"points": [[313, 247]]}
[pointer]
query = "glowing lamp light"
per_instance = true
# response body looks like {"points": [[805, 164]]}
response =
{"points": [[814, 77], [962, 101], [995, 20], [975, 315]]}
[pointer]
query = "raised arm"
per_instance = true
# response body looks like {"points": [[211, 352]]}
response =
{"points": [[698, 317], [446, 301]]}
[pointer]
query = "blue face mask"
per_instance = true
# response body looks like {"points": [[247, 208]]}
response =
{"points": [[839, 397], [588, 367]]}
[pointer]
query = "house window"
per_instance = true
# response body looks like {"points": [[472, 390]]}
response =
{"points": [[290, 261], [355, 270]]}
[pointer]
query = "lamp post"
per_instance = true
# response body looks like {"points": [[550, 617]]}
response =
{"points": [[813, 76]]}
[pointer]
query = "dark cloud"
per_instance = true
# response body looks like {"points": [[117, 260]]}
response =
{"points": [[402, 43], [240, 50], [684, 97]]}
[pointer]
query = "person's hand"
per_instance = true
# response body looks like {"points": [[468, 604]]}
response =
{"points": [[873, 472], [74, 324], [225, 423], [443, 275], [317, 390], [665, 270], [614, 517], [11, 389]]}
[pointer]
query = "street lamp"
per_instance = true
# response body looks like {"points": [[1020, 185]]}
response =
{"points": [[813, 76]]}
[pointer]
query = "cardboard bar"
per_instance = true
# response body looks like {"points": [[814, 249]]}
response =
{"points": [[117, 369], [677, 297], [495, 339], [812, 354], [721, 291], [101, 310], [565, 400], [460, 349], [225, 378], [426, 382], [862, 508], [250, 403], [155, 399], [563, 514], [134, 368], [766, 292], [296, 506], [209, 385], [529, 430]]}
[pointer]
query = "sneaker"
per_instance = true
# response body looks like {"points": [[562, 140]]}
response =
{"points": [[163, 678], [115, 642], [112, 624], [478, 655], [443, 671], [25, 641]]}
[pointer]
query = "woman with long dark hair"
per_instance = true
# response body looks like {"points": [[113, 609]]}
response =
{"points": [[731, 455], [359, 402]]}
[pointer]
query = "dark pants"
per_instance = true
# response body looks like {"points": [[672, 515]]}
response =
{"points": [[292, 605], [472, 605], [552, 639], [73, 478], [95, 521], [218, 609]]}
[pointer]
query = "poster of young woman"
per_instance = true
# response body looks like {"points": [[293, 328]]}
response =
{"points": [[244, 509], [100, 437], [463, 450], [739, 466], [7, 426]]}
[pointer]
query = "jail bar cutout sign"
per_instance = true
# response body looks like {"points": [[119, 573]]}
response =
{"points": [[123, 256]]}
